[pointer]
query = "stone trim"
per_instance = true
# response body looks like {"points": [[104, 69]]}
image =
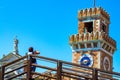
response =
{"points": [[94, 49]]}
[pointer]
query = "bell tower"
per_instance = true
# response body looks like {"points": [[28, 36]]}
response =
{"points": [[92, 46]]}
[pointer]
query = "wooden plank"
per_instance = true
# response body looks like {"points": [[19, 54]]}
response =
{"points": [[74, 70], [46, 58], [74, 77], [15, 69], [16, 76], [95, 74], [14, 61], [75, 74]]}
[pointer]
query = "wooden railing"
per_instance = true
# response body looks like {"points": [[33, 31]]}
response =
{"points": [[54, 70]]}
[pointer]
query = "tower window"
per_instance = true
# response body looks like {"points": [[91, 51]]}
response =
{"points": [[103, 28], [88, 27]]}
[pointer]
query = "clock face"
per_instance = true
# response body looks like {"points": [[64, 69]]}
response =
{"points": [[106, 63], [86, 60]]}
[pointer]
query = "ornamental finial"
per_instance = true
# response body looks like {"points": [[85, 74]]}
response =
{"points": [[94, 3], [15, 45]]}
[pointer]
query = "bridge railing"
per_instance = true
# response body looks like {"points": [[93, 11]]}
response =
{"points": [[53, 69], [8, 73]]}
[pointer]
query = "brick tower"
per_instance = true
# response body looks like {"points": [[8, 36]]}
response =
{"points": [[92, 46]]}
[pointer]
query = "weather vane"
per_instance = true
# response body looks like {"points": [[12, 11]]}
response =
{"points": [[94, 3]]}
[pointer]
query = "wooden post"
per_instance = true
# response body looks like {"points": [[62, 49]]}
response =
{"points": [[59, 70], [29, 75], [95, 74], [2, 73]]}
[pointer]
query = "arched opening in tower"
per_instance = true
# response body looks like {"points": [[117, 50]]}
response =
{"points": [[103, 28], [88, 27]]}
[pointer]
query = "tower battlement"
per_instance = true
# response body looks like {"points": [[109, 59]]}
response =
{"points": [[93, 13], [91, 36], [94, 40]]}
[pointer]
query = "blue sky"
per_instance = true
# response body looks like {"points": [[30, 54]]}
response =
{"points": [[47, 24]]}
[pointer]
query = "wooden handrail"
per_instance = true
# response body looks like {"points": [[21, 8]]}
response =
{"points": [[70, 69], [75, 74], [115, 73], [74, 77], [74, 64], [14, 61], [15, 69], [61, 70], [46, 58]]}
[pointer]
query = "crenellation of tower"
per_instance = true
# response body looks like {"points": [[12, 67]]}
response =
{"points": [[93, 13], [86, 37]]}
